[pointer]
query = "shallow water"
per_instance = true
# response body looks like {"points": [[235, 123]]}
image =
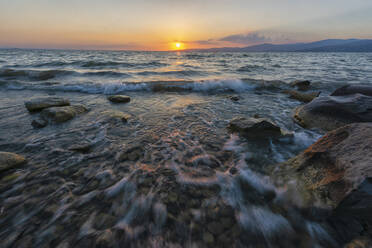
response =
{"points": [[173, 176]]}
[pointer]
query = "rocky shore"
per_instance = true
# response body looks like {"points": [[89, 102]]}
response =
{"points": [[170, 188]]}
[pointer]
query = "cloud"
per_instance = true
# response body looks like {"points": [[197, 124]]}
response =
{"points": [[250, 38]]}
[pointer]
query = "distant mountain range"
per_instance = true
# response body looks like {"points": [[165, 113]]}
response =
{"points": [[330, 45]]}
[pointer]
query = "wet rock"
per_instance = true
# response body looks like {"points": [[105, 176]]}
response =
{"points": [[208, 238], [234, 98], [62, 114], [331, 112], [39, 123], [360, 242], [105, 239], [104, 221], [112, 116], [119, 98], [10, 160], [303, 97], [38, 104], [301, 84], [215, 227], [337, 171], [131, 153], [255, 128], [353, 89], [82, 147]]}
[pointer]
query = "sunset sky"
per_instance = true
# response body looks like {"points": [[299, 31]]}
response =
{"points": [[160, 24]]}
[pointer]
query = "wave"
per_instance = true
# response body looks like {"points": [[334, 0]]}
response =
{"points": [[250, 68], [92, 64], [171, 73], [35, 75], [207, 86]]}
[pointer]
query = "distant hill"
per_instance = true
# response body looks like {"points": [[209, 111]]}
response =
{"points": [[330, 45]]}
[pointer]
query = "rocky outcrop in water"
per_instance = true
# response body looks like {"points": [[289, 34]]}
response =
{"points": [[119, 99], [303, 97], [10, 161], [331, 112], [40, 103], [62, 114], [337, 171], [302, 85], [353, 89], [255, 128]]}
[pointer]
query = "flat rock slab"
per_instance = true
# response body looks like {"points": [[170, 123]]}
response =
{"points": [[119, 99], [331, 112], [10, 160], [62, 114], [255, 127], [38, 104], [303, 97], [353, 89]]}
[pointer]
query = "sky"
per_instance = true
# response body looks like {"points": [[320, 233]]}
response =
{"points": [[160, 24]]}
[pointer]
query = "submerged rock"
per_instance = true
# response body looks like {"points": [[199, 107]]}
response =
{"points": [[234, 98], [10, 160], [62, 114], [353, 89], [255, 127], [113, 116], [303, 97], [331, 112], [301, 84], [40, 103], [39, 123], [336, 171], [119, 98]]}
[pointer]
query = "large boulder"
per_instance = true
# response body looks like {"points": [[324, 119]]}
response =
{"points": [[303, 97], [353, 89], [10, 160], [119, 99], [331, 112], [62, 114], [40, 103], [336, 172], [255, 128]]}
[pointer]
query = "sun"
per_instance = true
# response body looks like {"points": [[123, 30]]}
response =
{"points": [[177, 45]]}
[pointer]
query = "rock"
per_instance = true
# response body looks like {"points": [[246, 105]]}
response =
{"points": [[82, 147], [39, 123], [62, 114], [336, 172], [255, 128], [215, 227], [336, 164], [131, 153], [119, 99], [360, 242], [353, 89], [38, 104], [10, 160], [331, 112], [234, 98], [303, 97], [113, 116], [301, 84], [208, 238], [105, 239]]}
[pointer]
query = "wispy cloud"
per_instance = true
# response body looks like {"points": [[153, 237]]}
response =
{"points": [[249, 38]]}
